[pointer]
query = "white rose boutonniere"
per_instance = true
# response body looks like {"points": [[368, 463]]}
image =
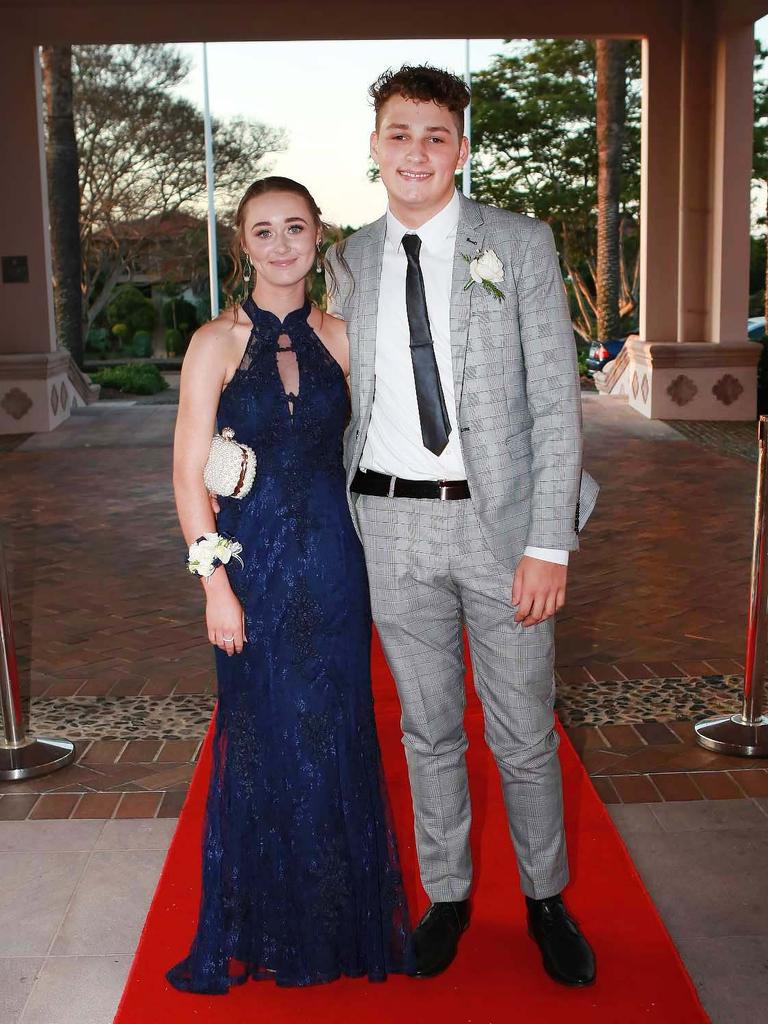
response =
{"points": [[486, 269]]}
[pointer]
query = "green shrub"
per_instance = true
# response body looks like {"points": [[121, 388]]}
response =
{"points": [[97, 340], [122, 332], [131, 307], [141, 346], [132, 378], [178, 312], [143, 317], [174, 342]]}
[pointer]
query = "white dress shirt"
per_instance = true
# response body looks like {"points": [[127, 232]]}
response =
{"points": [[394, 444]]}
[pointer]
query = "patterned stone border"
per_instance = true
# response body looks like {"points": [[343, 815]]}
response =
{"points": [[186, 716], [656, 699], [183, 717]]}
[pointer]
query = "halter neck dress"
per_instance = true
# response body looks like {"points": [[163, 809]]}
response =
{"points": [[301, 881]]}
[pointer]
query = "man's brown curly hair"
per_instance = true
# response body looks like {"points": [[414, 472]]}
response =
{"points": [[424, 84]]}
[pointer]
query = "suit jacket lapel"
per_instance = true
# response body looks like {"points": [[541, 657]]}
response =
{"points": [[469, 238], [369, 284]]}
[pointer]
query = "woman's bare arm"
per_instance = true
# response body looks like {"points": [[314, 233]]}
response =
{"points": [[202, 378]]}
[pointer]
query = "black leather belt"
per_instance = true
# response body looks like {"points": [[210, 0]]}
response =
{"points": [[395, 487]]}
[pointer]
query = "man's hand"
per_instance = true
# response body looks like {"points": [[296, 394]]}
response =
{"points": [[213, 498], [538, 589]]}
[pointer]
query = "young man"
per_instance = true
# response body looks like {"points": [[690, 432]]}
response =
{"points": [[464, 465]]}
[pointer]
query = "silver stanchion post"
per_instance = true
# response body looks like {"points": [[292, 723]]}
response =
{"points": [[746, 734], [21, 756]]}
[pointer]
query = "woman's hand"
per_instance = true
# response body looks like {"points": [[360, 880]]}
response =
{"points": [[224, 615]]}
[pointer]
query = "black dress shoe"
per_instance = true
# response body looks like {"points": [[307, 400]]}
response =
{"points": [[436, 937], [567, 956]]}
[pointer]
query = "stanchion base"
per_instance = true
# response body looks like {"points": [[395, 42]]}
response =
{"points": [[37, 757], [728, 734]]}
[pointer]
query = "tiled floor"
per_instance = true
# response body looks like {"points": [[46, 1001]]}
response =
{"points": [[73, 901], [704, 865], [75, 894]]}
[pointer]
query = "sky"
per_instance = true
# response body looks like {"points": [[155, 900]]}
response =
{"points": [[317, 92]]}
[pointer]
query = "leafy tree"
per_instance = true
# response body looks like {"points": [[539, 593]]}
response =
{"points": [[131, 307], [611, 113], [142, 156], [62, 165], [178, 311], [534, 127]]}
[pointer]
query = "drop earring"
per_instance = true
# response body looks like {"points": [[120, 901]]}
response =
{"points": [[247, 277], [318, 265]]}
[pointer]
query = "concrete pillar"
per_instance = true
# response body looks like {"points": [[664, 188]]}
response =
{"points": [[699, 44], [35, 392], [659, 187], [731, 179], [697, 128]]}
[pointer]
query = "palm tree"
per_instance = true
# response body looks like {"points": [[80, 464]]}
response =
{"points": [[611, 112], [64, 198]]}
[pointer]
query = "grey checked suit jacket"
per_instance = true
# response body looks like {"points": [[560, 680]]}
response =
{"points": [[515, 375]]}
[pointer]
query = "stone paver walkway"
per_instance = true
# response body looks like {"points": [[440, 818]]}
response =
{"points": [[110, 638]]}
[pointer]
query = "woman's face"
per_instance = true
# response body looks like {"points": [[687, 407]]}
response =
{"points": [[280, 236]]}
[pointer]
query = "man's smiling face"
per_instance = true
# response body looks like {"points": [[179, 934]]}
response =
{"points": [[418, 148]]}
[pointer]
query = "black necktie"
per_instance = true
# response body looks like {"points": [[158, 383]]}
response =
{"points": [[433, 415]]}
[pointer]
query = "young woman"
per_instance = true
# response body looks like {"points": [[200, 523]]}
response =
{"points": [[301, 881]]}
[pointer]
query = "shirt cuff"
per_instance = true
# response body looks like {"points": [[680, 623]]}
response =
{"points": [[548, 554]]}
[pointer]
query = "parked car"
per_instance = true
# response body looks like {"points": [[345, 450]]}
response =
{"points": [[756, 328], [602, 352]]}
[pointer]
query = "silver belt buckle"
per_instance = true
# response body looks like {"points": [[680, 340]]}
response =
{"points": [[391, 491], [442, 484]]}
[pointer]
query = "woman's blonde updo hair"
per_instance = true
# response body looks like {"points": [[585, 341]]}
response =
{"points": [[235, 285]]}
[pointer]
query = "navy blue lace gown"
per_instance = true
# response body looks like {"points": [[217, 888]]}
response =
{"points": [[301, 881]]}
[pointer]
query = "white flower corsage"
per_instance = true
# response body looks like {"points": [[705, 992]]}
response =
{"points": [[486, 269], [210, 551]]}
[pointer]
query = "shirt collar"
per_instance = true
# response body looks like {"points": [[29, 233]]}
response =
{"points": [[434, 233]]}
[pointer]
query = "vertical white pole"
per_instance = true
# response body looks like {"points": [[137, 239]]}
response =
{"points": [[466, 184], [213, 272]]}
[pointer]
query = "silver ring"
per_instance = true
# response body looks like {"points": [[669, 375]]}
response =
{"points": [[228, 639]]}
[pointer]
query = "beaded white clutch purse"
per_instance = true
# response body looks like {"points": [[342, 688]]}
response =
{"points": [[231, 466]]}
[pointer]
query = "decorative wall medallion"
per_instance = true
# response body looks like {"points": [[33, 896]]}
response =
{"points": [[634, 384], [644, 387], [16, 403], [54, 400], [63, 396], [682, 390], [727, 389]]}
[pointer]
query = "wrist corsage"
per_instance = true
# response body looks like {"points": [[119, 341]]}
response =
{"points": [[210, 551]]}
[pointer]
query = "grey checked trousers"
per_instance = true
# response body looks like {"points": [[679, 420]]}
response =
{"points": [[430, 571]]}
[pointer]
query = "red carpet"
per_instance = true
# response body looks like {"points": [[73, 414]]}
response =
{"points": [[497, 977]]}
